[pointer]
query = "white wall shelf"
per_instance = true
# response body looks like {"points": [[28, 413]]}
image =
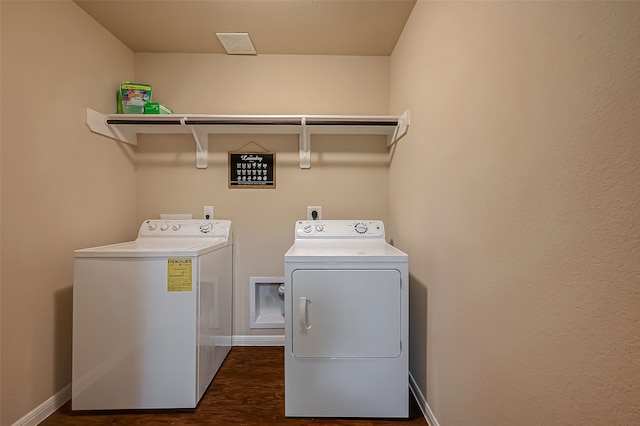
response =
{"points": [[126, 127]]}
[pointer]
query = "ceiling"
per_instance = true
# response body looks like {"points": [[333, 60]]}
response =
{"points": [[295, 27]]}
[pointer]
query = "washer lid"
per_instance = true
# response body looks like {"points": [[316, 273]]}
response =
{"points": [[156, 247]]}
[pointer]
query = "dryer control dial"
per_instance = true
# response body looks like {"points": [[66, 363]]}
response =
{"points": [[307, 228], [176, 226], [361, 228], [319, 228], [164, 227], [152, 226], [205, 228]]}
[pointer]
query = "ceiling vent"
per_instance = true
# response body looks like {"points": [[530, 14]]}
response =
{"points": [[237, 43]]}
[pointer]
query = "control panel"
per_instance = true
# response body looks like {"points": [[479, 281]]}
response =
{"points": [[185, 228], [365, 229]]}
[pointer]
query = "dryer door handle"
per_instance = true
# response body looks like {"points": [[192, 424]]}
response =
{"points": [[303, 313]]}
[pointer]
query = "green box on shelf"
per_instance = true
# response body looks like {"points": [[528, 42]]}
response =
{"points": [[157, 108], [132, 97]]}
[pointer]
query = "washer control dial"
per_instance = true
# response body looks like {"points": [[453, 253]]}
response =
{"points": [[307, 228], [152, 226], [164, 227], [361, 228], [205, 228], [319, 228], [176, 226]]}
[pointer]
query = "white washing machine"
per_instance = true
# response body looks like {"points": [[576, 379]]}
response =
{"points": [[152, 317], [346, 322]]}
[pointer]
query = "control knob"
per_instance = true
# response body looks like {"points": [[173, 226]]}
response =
{"points": [[176, 226], [319, 228], [307, 228], [361, 228], [205, 228], [164, 227], [152, 226]]}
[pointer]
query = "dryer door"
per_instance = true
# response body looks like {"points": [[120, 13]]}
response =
{"points": [[346, 313]]}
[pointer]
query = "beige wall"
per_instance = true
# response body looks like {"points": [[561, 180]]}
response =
{"points": [[87, 190], [62, 187], [348, 175], [524, 234]]}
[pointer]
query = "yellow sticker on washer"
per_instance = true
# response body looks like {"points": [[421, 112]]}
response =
{"points": [[179, 274]]}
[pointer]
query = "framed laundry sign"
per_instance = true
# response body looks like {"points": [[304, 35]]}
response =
{"points": [[252, 170]]}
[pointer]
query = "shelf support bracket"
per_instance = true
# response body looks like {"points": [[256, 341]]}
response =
{"points": [[97, 123], [401, 129], [305, 145], [201, 137]]}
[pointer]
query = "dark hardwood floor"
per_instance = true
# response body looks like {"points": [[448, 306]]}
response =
{"points": [[248, 390]]}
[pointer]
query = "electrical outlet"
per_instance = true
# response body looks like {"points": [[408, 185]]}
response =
{"points": [[208, 212], [314, 212]]}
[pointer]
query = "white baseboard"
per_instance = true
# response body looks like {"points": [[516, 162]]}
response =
{"points": [[45, 409], [275, 340], [422, 402]]}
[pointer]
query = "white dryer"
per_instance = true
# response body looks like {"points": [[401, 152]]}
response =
{"points": [[152, 317], [346, 322]]}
